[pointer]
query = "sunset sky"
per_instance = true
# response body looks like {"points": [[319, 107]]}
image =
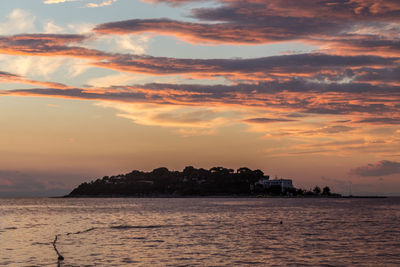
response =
{"points": [[301, 89]]}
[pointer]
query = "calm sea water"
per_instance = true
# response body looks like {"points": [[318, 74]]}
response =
{"points": [[200, 232]]}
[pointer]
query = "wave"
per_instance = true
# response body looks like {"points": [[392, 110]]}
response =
{"points": [[139, 226], [10, 228], [82, 232]]}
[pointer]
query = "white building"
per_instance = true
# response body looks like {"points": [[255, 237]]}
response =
{"points": [[283, 183]]}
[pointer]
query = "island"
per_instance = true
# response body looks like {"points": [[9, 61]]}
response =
{"points": [[217, 181]]}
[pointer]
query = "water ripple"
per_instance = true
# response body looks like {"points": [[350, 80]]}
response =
{"points": [[201, 232]]}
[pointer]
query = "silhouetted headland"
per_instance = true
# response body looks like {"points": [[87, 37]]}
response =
{"points": [[217, 181]]}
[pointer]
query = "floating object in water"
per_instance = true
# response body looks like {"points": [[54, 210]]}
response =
{"points": [[60, 257]]}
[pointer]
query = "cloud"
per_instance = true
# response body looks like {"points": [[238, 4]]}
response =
{"points": [[134, 45], [137, 45], [193, 109], [346, 27], [354, 74], [43, 66], [308, 131], [58, 1], [19, 21], [334, 129], [391, 120], [80, 28], [78, 93], [101, 4], [119, 79], [314, 66], [17, 183], [321, 67], [351, 10], [381, 168], [267, 120], [6, 77], [188, 121], [47, 45], [173, 2], [91, 4], [194, 32], [327, 68], [291, 97], [51, 27]]}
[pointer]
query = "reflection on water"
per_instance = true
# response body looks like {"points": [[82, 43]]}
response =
{"points": [[200, 232]]}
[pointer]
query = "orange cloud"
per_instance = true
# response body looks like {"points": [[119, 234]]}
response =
{"points": [[47, 45], [370, 106], [6, 77]]}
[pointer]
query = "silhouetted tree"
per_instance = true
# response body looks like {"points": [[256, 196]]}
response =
{"points": [[243, 170], [326, 191], [317, 190], [300, 191], [161, 171]]}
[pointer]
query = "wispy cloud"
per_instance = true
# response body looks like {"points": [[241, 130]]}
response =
{"points": [[185, 119], [58, 1], [298, 96], [102, 3], [91, 4], [267, 120], [6, 77]]}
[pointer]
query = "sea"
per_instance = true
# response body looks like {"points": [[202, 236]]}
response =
{"points": [[200, 231]]}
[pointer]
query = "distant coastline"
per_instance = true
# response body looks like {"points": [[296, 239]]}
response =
{"points": [[216, 182], [216, 196]]}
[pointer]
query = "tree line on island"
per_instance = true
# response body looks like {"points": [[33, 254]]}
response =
{"points": [[217, 181]]}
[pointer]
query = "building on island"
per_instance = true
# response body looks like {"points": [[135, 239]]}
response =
{"points": [[283, 183]]}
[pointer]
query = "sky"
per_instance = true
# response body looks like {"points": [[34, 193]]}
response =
{"points": [[300, 89]]}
